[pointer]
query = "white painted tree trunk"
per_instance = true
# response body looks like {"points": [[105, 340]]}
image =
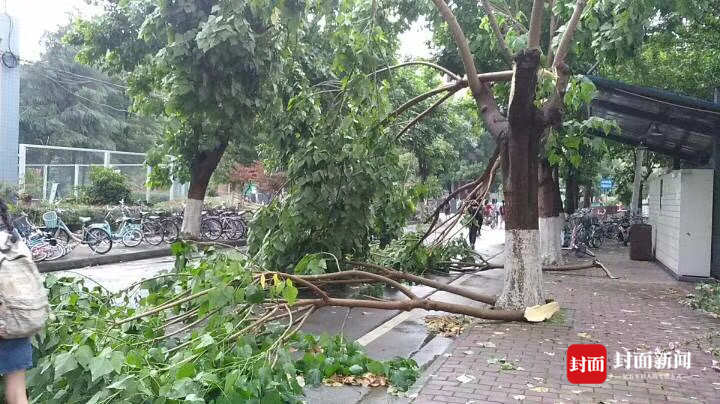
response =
{"points": [[523, 271], [191, 219], [551, 240]]}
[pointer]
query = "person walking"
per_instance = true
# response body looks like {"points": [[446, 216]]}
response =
{"points": [[474, 211], [501, 216], [15, 347]]}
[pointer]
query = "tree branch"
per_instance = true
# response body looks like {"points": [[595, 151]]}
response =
{"points": [[424, 113], [553, 28], [553, 109], [567, 37], [426, 304], [504, 49], [535, 24], [503, 75], [423, 63], [474, 185], [422, 97], [462, 44]]}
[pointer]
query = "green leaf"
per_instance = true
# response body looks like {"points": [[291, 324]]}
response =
{"points": [[100, 366], [290, 292], [83, 354], [65, 362], [205, 341], [121, 384], [254, 294], [376, 367], [186, 370], [356, 369]]}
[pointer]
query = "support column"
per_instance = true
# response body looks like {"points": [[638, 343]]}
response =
{"points": [[636, 197], [76, 181], [715, 243], [22, 159], [45, 179], [147, 184]]}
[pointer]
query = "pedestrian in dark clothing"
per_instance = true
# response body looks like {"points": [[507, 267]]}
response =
{"points": [[474, 211]]}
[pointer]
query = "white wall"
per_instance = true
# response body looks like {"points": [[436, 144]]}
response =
{"points": [[680, 211]]}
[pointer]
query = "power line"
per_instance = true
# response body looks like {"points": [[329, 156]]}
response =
{"points": [[85, 98], [50, 67]]}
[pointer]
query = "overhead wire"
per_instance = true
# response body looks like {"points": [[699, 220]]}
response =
{"points": [[59, 84], [50, 67]]}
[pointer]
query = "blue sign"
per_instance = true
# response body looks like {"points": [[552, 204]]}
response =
{"points": [[606, 183]]}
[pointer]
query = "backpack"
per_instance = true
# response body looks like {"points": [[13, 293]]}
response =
{"points": [[24, 307]]}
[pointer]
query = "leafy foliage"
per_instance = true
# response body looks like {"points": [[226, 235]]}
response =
{"points": [[336, 157], [207, 66], [90, 352], [403, 254], [706, 297], [107, 187]]}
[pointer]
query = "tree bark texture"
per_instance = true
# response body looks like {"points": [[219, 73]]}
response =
{"points": [[201, 170], [572, 192], [587, 195], [550, 222], [523, 271]]}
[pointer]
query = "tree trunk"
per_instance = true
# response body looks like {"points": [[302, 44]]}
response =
{"points": [[587, 195], [202, 168], [572, 191], [550, 222], [519, 150]]}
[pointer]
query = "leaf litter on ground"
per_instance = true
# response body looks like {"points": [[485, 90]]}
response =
{"points": [[447, 326]]}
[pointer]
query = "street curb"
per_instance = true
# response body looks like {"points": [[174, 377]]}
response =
{"points": [[95, 260]]}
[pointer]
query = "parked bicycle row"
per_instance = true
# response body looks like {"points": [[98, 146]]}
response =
{"points": [[585, 231], [122, 224]]}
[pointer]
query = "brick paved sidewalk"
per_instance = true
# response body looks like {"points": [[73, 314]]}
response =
{"points": [[639, 312]]}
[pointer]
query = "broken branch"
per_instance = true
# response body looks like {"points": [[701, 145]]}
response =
{"points": [[424, 113], [423, 63]]}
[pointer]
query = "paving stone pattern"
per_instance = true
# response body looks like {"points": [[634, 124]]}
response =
{"points": [[639, 312]]}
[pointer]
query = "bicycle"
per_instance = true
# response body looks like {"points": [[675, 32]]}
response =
{"points": [[127, 232], [577, 234], [94, 236], [41, 244]]}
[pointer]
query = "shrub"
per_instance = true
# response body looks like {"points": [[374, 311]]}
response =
{"points": [[706, 297], [107, 187], [8, 192]]}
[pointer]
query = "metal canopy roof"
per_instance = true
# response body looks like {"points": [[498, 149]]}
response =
{"points": [[664, 122]]}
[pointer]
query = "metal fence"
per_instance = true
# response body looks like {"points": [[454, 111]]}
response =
{"points": [[54, 172]]}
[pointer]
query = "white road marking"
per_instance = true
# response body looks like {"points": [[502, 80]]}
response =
{"points": [[383, 328]]}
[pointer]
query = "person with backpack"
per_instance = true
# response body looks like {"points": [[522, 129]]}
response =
{"points": [[23, 309]]}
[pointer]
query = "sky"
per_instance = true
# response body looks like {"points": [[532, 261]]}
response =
{"points": [[35, 17], [414, 42]]}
